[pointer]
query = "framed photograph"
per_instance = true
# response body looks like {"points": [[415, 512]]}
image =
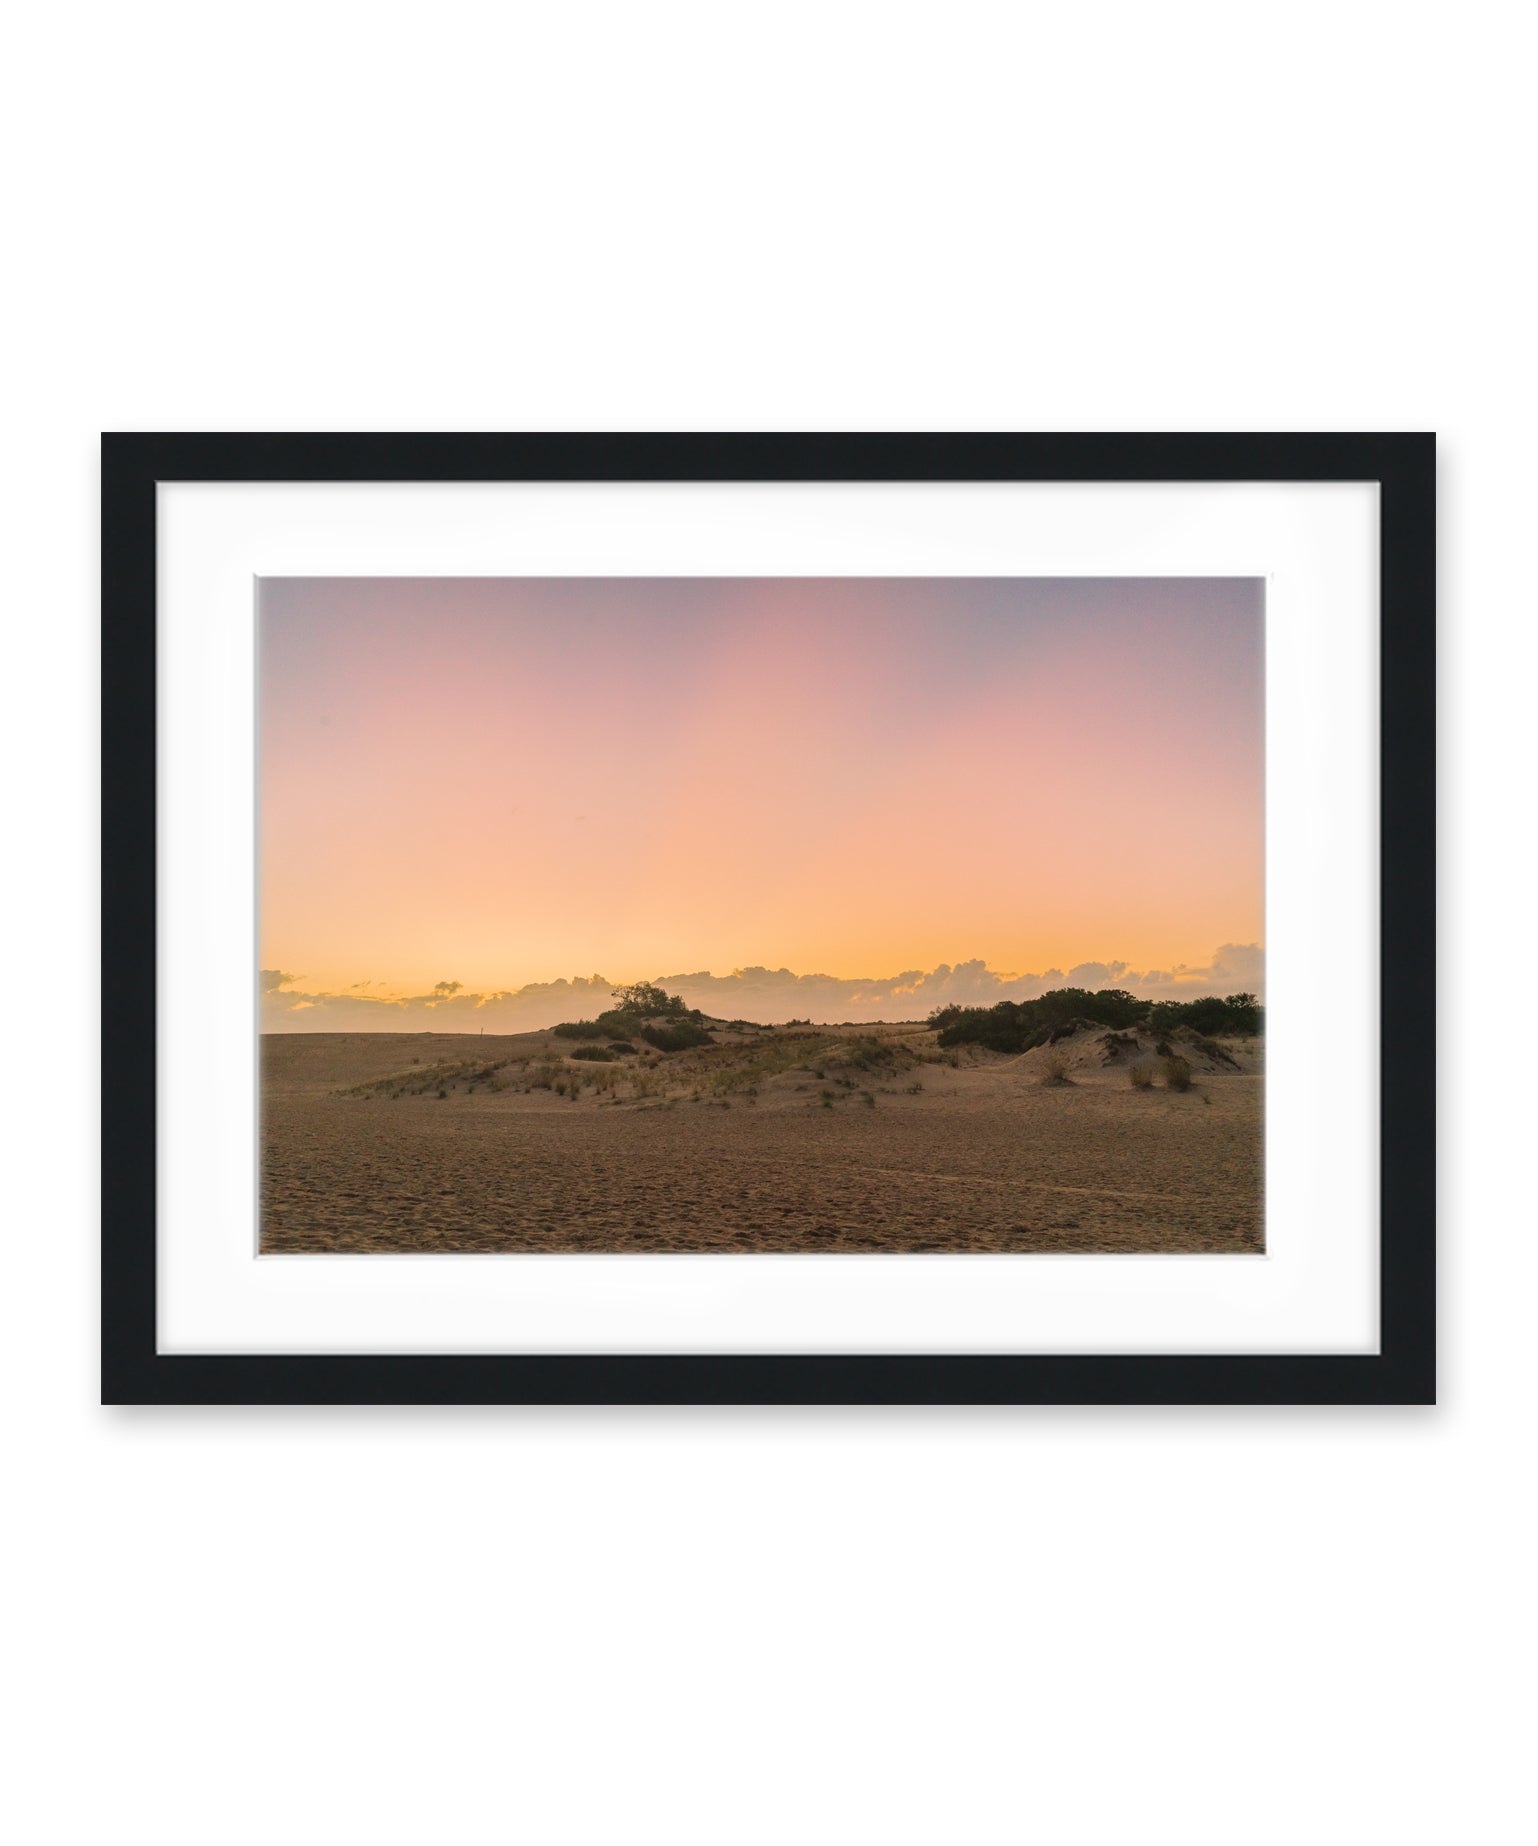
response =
{"points": [[768, 918]]}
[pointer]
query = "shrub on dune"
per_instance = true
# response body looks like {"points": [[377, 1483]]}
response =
{"points": [[1015, 1026], [680, 1037]]}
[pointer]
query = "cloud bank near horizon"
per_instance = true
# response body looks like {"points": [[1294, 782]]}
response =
{"points": [[767, 995]]}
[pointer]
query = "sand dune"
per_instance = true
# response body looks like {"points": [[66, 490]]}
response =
{"points": [[865, 1138], [1085, 1049]]}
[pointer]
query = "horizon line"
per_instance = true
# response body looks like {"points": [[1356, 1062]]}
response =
{"points": [[765, 995]]}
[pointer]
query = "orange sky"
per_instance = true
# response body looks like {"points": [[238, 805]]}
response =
{"points": [[509, 781]]}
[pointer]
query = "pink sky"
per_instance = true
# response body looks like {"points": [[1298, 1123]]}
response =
{"points": [[500, 782]]}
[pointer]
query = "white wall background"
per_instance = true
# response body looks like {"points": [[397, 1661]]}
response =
{"points": [[1067, 1626]]}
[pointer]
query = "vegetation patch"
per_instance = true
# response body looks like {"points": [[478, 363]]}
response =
{"points": [[869, 1053], [680, 1037], [429, 1079], [642, 1011], [741, 1067], [1208, 1047], [1022, 1025]]}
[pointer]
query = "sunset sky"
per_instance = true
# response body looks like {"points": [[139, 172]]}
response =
{"points": [[505, 782]]}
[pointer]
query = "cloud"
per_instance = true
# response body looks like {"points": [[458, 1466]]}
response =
{"points": [[275, 977], [771, 995], [1236, 967], [1097, 974]]}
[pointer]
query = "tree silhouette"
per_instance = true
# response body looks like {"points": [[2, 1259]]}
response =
{"points": [[645, 1000]]}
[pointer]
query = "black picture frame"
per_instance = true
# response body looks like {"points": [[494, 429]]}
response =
{"points": [[1402, 1372]]}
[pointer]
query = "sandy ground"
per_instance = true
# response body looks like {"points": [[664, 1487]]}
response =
{"points": [[985, 1156]]}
